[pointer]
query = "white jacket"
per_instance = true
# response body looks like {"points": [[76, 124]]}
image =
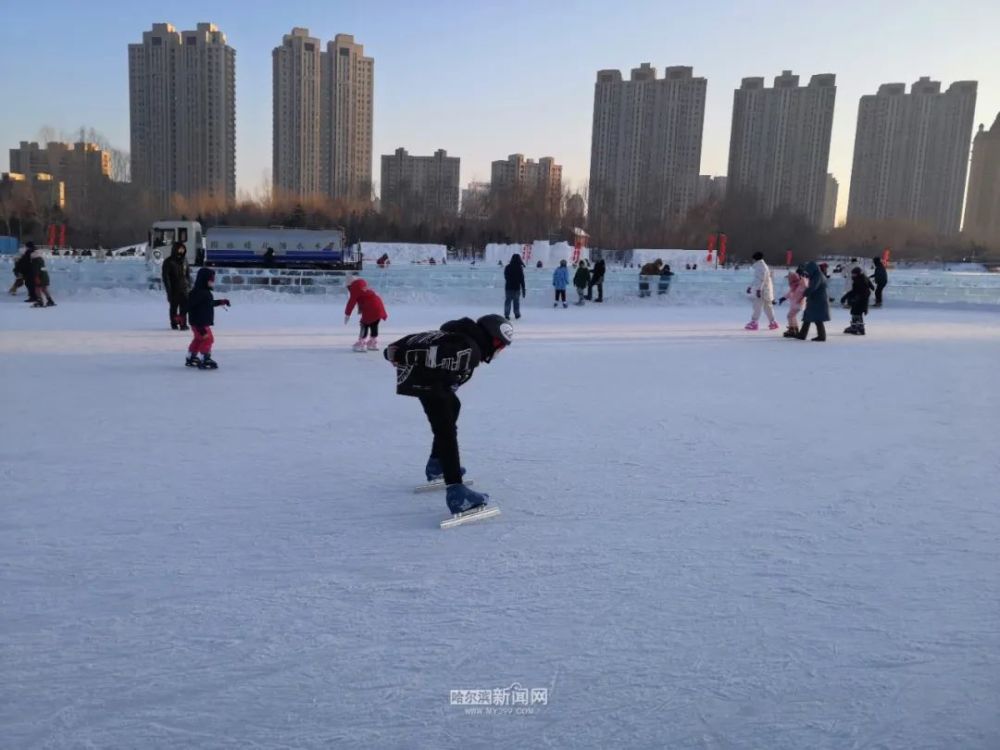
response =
{"points": [[762, 281]]}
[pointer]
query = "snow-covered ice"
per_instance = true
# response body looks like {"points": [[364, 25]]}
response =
{"points": [[710, 538]]}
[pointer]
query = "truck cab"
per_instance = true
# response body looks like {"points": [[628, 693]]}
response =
{"points": [[164, 234]]}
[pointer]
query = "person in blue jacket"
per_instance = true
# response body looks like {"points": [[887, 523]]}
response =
{"points": [[560, 280]]}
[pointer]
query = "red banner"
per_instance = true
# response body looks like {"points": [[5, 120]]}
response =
{"points": [[722, 249], [788, 257], [885, 257], [52, 235], [62, 235], [712, 239]]}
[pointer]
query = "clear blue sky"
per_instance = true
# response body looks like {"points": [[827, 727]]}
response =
{"points": [[486, 79]]}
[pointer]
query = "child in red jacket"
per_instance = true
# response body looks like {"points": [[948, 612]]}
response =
{"points": [[370, 309]]}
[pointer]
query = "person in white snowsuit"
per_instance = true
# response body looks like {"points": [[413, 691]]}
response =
{"points": [[762, 293]]}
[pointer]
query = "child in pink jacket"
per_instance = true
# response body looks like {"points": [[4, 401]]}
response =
{"points": [[797, 284]]}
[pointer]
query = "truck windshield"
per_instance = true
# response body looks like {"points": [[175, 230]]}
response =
{"points": [[163, 237]]}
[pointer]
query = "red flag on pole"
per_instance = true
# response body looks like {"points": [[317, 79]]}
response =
{"points": [[52, 235], [885, 257], [62, 235], [788, 257], [712, 238], [722, 249]]}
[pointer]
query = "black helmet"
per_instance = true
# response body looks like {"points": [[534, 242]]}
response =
{"points": [[499, 329]]}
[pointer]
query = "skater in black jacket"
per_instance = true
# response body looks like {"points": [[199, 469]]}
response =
{"points": [[176, 274], [881, 279], [431, 366], [857, 298], [514, 287], [201, 314]]}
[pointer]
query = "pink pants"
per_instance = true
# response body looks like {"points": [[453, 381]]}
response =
{"points": [[202, 341], [793, 316]]}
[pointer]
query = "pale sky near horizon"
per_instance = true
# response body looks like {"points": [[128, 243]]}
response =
{"points": [[487, 79]]}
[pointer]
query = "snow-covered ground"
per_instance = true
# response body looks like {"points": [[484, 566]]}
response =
{"points": [[709, 538]]}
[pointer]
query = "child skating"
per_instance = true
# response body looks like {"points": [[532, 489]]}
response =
{"points": [[431, 366], [201, 317], [371, 310], [762, 290], [41, 279], [857, 298], [560, 280], [795, 295]]}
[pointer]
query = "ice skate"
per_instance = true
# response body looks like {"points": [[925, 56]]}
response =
{"points": [[791, 333], [359, 346], [461, 499], [751, 326], [773, 326], [207, 363], [373, 345], [435, 472], [191, 361]]}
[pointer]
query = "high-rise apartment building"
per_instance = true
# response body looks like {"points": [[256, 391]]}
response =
{"points": [[182, 95], [982, 207], [528, 177], [423, 186], [82, 167], [709, 189], [645, 151], [297, 99], [347, 89], [830, 204], [779, 147], [911, 154]]}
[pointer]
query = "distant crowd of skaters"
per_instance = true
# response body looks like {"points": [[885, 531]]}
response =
{"points": [[808, 293]]}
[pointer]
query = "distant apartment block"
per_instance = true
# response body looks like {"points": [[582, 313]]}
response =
{"points": [[830, 204], [182, 98], [709, 189], [911, 153], [420, 185], [476, 200], [779, 148], [528, 177], [296, 114], [982, 208], [44, 189], [347, 91], [645, 152], [81, 168]]}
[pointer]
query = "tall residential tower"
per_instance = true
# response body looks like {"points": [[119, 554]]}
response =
{"points": [[297, 88]]}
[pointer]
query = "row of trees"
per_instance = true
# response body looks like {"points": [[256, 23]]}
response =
{"points": [[117, 213]]}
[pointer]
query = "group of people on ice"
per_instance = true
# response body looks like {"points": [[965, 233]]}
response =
{"points": [[585, 280], [808, 293], [191, 307], [30, 272]]}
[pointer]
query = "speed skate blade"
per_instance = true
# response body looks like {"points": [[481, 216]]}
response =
{"points": [[476, 514]]}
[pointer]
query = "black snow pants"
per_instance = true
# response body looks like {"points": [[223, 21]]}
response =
{"points": [[442, 412]]}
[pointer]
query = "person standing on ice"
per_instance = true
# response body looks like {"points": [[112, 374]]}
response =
{"points": [[201, 314], [580, 281], [817, 303], [881, 279], [597, 279], [431, 366], [560, 280], [176, 274], [795, 294], [857, 299], [762, 289], [371, 310], [513, 284]]}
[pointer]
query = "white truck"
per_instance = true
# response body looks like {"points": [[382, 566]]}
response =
{"points": [[250, 246]]}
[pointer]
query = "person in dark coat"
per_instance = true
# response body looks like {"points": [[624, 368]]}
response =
{"points": [[40, 277], [268, 258], [201, 312], [881, 279], [817, 303], [513, 285], [432, 366], [597, 279], [23, 267], [666, 276], [857, 298], [580, 280], [177, 284]]}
